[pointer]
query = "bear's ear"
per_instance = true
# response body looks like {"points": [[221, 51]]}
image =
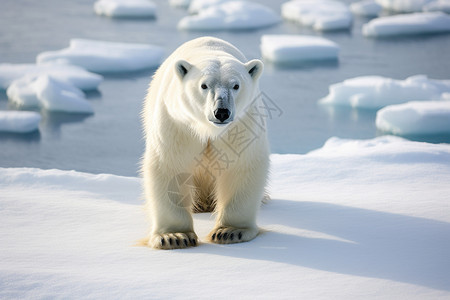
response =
{"points": [[255, 68], [182, 67]]}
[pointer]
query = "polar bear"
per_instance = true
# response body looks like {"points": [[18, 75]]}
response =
{"points": [[205, 149]]}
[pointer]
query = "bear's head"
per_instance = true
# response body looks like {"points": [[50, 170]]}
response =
{"points": [[216, 92]]}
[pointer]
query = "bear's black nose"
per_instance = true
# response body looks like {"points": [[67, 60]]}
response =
{"points": [[222, 114]]}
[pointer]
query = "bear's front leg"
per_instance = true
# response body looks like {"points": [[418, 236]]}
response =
{"points": [[238, 202], [169, 198]]}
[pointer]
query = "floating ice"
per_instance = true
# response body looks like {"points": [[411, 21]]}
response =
{"points": [[294, 48], [415, 118], [48, 93], [376, 92], [125, 8], [319, 14], [198, 5], [74, 75], [103, 57], [417, 23], [439, 5], [367, 8], [232, 15], [19, 121]]}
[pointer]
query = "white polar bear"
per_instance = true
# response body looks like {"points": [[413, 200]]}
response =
{"points": [[205, 149]]}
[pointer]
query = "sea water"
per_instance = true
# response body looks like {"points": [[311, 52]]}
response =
{"points": [[110, 140]]}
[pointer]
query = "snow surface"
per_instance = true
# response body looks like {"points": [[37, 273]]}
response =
{"points": [[49, 93], [104, 57], [319, 14], [74, 75], [374, 92], [356, 219], [366, 8], [19, 121], [417, 23], [125, 8], [293, 48], [415, 118], [230, 15]]}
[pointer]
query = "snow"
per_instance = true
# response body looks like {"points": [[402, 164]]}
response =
{"points": [[415, 118], [49, 93], [374, 92], [125, 8], [292, 48], [233, 15], [417, 23], [103, 57], [198, 5], [74, 75], [19, 121], [356, 219], [321, 15], [366, 8]]}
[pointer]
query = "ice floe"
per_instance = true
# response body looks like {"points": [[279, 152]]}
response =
{"points": [[74, 75], [366, 8], [404, 24], [104, 57], [356, 217], [297, 48], [375, 92], [180, 3], [125, 8], [48, 93], [233, 15], [439, 5], [409, 6], [19, 121], [319, 14], [198, 5], [415, 118]]}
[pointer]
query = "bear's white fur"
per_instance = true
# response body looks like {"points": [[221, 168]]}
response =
{"points": [[185, 136]]}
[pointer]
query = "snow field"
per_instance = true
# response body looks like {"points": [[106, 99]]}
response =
{"points": [[321, 15], [297, 48], [230, 15], [415, 118], [417, 23], [104, 57], [374, 92], [19, 121], [355, 219], [125, 8]]}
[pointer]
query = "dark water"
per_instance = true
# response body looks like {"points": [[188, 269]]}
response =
{"points": [[110, 141]]}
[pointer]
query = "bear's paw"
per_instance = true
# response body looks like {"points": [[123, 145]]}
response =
{"points": [[232, 235], [178, 240]]}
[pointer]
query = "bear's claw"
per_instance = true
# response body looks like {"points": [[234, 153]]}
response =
{"points": [[173, 240], [230, 235]]}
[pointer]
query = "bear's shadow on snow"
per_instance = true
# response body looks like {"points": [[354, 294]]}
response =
{"points": [[367, 243]]}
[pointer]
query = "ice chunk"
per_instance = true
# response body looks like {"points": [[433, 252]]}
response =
{"points": [[74, 75], [367, 8], [439, 5], [232, 15], [318, 14], [103, 57], [417, 23], [405, 6], [125, 8], [198, 5], [48, 93], [375, 92], [415, 118], [293, 48], [19, 121]]}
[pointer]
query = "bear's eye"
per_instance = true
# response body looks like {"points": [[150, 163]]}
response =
{"points": [[204, 86], [236, 87]]}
